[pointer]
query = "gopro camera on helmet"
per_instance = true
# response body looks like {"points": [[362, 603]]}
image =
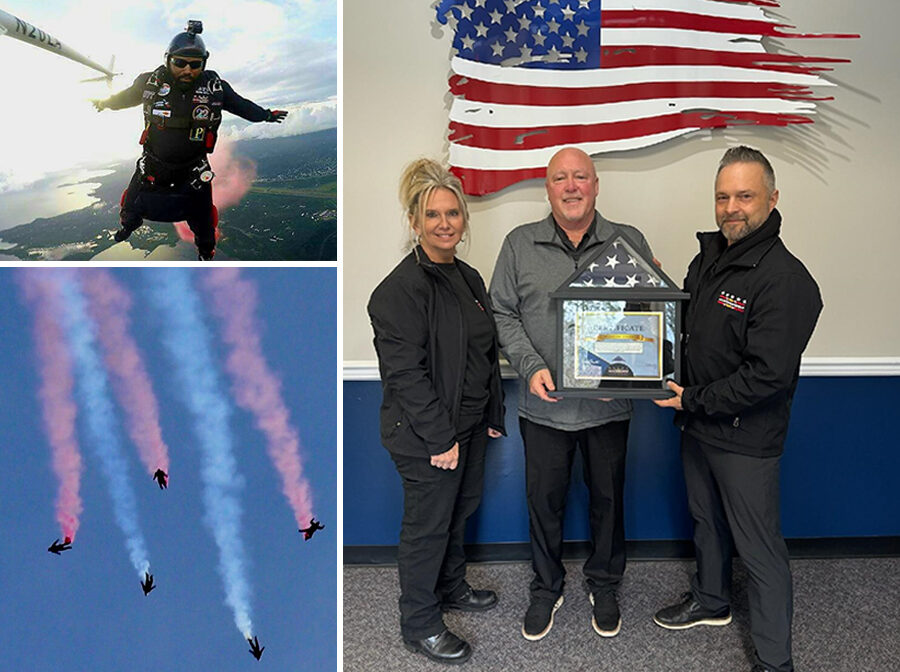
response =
{"points": [[189, 42]]}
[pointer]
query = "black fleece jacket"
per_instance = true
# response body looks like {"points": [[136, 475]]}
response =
{"points": [[420, 338], [752, 311]]}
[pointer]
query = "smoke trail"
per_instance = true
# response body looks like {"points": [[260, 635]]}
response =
{"points": [[255, 386], [109, 306], [58, 405], [234, 177], [100, 416], [188, 341]]}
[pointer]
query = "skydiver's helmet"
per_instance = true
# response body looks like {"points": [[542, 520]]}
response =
{"points": [[188, 43]]}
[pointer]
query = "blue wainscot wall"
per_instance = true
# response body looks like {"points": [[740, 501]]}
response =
{"points": [[840, 471]]}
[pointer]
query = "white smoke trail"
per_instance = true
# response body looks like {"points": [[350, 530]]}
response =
{"points": [[188, 340], [100, 416]]}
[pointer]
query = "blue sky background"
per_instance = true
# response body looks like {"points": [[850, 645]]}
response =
{"points": [[85, 610]]}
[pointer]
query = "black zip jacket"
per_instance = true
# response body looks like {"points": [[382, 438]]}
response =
{"points": [[752, 311], [420, 339]]}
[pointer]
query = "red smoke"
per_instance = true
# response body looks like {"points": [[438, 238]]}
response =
{"points": [[109, 306], [234, 176], [256, 388], [56, 394]]}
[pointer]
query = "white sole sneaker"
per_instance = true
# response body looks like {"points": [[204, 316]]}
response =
{"points": [[604, 633], [543, 633], [725, 620]]}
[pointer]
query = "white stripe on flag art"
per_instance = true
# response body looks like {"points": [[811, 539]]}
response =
{"points": [[531, 76]]}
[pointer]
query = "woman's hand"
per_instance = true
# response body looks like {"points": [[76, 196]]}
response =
{"points": [[447, 460], [493, 433]]}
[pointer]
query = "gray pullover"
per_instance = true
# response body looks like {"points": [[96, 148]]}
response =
{"points": [[532, 263]]}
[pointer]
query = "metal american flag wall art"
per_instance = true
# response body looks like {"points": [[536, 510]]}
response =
{"points": [[531, 76]]}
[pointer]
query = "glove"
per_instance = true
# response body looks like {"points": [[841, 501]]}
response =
{"points": [[276, 116], [99, 105]]}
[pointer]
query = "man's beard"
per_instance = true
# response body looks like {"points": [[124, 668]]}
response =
{"points": [[738, 233], [185, 82]]}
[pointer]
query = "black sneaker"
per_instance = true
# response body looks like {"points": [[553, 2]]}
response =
{"points": [[539, 617], [121, 234], [606, 620], [688, 613]]}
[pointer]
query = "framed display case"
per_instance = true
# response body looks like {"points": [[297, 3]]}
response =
{"points": [[618, 326]]}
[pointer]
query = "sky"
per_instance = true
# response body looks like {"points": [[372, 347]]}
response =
{"points": [[84, 609], [281, 54]]}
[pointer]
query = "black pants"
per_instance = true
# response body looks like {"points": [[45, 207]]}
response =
{"points": [[733, 496], [167, 203], [548, 467], [430, 558]]}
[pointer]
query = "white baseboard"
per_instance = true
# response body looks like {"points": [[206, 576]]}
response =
{"points": [[863, 367]]}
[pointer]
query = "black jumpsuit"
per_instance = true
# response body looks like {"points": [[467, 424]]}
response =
{"points": [[167, 185]]}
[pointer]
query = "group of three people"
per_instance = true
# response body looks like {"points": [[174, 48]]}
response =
{"points": [[439, 334]]}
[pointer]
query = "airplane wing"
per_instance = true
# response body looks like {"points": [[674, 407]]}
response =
{"points": [[13, 26]]}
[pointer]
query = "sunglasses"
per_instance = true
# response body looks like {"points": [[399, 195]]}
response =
{"points": [[181, 63]]}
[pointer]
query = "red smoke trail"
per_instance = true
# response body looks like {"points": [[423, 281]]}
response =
{"points": [[57, 400], [255, 386], [234, 176], [109, 306]]}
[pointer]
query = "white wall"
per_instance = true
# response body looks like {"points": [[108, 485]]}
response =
{"points": [[837, 178]]}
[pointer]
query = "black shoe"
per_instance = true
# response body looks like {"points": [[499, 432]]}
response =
{"points": [[606, 621], [688, 613], [121, 234], [539, 617], [444, 647], [472, 600], [208, 256]]}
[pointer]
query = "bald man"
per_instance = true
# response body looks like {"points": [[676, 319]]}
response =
{"points": [[535, 260]]}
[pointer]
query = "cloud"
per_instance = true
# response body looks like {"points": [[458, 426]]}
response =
{"points": [[301, 119]]}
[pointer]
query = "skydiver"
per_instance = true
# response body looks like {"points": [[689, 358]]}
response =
{"points": [[147, 583], [183, 104], [255, 648], [162, 478], [57, 547], [308, 532]]}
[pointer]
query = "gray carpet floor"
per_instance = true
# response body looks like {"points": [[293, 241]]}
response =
{"points": [[846, 619]]}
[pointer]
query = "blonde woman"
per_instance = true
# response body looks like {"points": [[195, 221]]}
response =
{"points": [[438, 358]]}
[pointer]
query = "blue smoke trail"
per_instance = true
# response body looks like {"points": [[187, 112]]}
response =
{"points": [[188, 340], [100, 417]]}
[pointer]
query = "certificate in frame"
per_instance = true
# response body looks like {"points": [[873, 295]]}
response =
{"points": [[623, 345]]}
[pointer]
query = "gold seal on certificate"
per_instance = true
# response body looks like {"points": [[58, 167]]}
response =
{"points": [[619, 322]]}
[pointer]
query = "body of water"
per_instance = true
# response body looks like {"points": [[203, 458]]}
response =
{"points": [[54, 195]]}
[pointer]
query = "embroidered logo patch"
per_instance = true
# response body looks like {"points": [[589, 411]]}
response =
{"points": [[732, 302]]}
